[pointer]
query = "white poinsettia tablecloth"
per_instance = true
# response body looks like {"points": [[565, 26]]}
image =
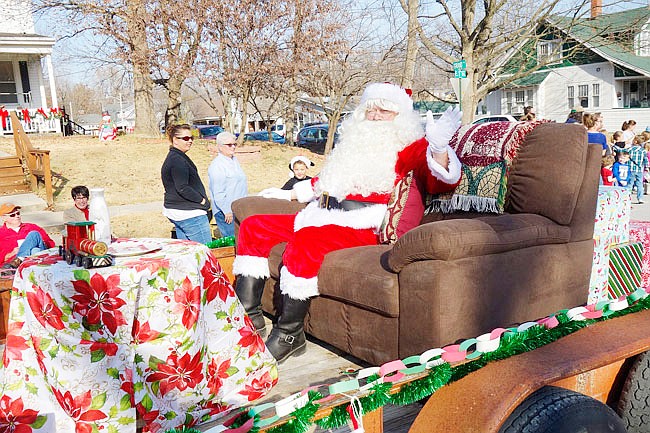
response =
{"points": [[160, 336]]}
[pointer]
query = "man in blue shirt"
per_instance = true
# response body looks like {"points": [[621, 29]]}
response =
{"points": [[638, 163], [227, 181]]}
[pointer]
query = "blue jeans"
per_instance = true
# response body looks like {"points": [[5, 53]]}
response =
{"points": [[195, 229], [636, 179], [32, 244], [224, 228]]}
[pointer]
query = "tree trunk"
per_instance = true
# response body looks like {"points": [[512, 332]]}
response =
{"points": [[172, 114], [289, 113], [145, 117], [244, 114], [411, 44]]}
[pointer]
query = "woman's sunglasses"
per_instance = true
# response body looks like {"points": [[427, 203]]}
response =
{"points": [[186, 138]]}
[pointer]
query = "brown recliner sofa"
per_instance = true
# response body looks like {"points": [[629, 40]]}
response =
{"points": [[460, 275]]}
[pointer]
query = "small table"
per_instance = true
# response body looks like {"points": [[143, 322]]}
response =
{"points": [[161, 334]]}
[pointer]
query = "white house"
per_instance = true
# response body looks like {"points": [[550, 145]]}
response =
{"points": [[611, 76], [23, 54]]}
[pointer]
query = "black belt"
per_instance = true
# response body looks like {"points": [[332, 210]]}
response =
{"points": [[328, 202]]}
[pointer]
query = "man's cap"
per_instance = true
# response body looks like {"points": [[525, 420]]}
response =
{"points": [[302, 159], [390, 92], [578, 109], [7, 208]]}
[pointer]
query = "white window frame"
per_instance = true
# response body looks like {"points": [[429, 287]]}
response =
{"points": [[642, 42], [12, 68], [549, 51], [595, 94], [571, 96], [583, 94]]}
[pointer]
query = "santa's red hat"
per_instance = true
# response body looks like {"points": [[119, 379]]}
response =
{"points": [[389, 92]]}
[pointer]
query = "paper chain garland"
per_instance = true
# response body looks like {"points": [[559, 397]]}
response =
{"points": [[378, 381]]}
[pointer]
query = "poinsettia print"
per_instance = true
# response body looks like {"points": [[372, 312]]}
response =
{"points": [[217, 372], [251, 338], [214, 282], [180, 373], [15, 344], [45, 309], [258, 385], [79, 409], [188, 302], [14, 418], [143, 332], [99, 301]]}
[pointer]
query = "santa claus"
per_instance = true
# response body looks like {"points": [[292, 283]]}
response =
{"points": [[381, 142]]}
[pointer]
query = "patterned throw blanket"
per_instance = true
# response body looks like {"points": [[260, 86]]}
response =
{"points": [[486, 151]]}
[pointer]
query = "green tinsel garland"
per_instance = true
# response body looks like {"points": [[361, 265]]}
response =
{"points": [[511, 344], [226, 241]]}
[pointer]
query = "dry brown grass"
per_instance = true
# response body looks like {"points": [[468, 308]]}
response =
{"points": [[129, 170]]}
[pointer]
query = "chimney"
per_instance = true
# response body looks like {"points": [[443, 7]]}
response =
{"points": [[596, 8]]}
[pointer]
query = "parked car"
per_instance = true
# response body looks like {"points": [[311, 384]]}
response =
{"points": [[314, 137], [279, 129], [208, 132], [263, 136], [495, 118]]}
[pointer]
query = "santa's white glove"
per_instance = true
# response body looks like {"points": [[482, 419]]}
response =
{"points": [[439, 132], [282, 194]]}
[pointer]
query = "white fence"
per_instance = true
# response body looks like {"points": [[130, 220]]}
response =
{"points": [[36, 124]]}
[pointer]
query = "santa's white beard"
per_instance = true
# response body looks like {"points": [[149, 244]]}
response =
{"points": [[363, 161]]}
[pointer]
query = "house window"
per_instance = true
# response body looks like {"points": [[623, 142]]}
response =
{"points": [[583, 95], [549, 51], [595, 95], [642, 42], [571, 97], [508, 102], [7, 83]]}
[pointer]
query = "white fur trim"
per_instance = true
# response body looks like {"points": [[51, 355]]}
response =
{"points": [[389, 92], [369, 217], [302, 159], [304, 191], [251, 266], [452, 174], [297, 287]]}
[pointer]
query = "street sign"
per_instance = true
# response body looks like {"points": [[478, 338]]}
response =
{"points": [[460, 73], [460, 65]]}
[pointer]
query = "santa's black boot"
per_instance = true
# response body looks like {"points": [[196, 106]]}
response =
{"points": [[249, 291], [287, 337]]}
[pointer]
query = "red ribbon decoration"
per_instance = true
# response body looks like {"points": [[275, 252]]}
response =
{"points": [[42, 113], [26, 117], [3, 115]]}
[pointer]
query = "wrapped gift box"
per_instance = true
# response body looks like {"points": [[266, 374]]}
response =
{"points": [[624, 275], [640, 232], [611, 227]]}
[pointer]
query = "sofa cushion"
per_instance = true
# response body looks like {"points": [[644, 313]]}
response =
{"points": [[458, 238], [404, 212], [360, 276], [546, 176]]}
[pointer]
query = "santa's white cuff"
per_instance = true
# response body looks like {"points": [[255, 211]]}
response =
{"points": [[297, 287], [450, 175], [251, 266], [304, 191]]}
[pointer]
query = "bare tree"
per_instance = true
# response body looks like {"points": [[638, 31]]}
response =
{"points": [[487, 34]]}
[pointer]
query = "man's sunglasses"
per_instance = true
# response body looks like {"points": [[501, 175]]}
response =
{"points": [[186, 138], [14, 214]]}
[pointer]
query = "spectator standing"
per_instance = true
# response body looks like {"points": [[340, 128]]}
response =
{"points": [[227, 181], [575, 116], [628, 132], [18, 239], [621, 168], [638, 165], [186, 203], [78, 212], [298, 166], [529, 114], [606, 171], [593, 124]]}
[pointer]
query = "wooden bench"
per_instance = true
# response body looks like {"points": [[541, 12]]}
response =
{"points": [[36, 161]]}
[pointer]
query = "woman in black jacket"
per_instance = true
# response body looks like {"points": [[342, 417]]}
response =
{"points": [[186, 202]]}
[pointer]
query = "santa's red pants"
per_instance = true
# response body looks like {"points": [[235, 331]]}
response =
{"points": [[306, 248]]}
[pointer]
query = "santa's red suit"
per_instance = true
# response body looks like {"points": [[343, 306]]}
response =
{"points": [[369, 159]]}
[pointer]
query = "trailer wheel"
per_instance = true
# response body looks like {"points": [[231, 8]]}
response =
{"points": [[87, 262], [77, 261], [634, 404], [557, 410], [69, 258]]}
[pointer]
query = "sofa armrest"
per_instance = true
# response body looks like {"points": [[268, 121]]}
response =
{"points": [[256, 205], [457, 238]]}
